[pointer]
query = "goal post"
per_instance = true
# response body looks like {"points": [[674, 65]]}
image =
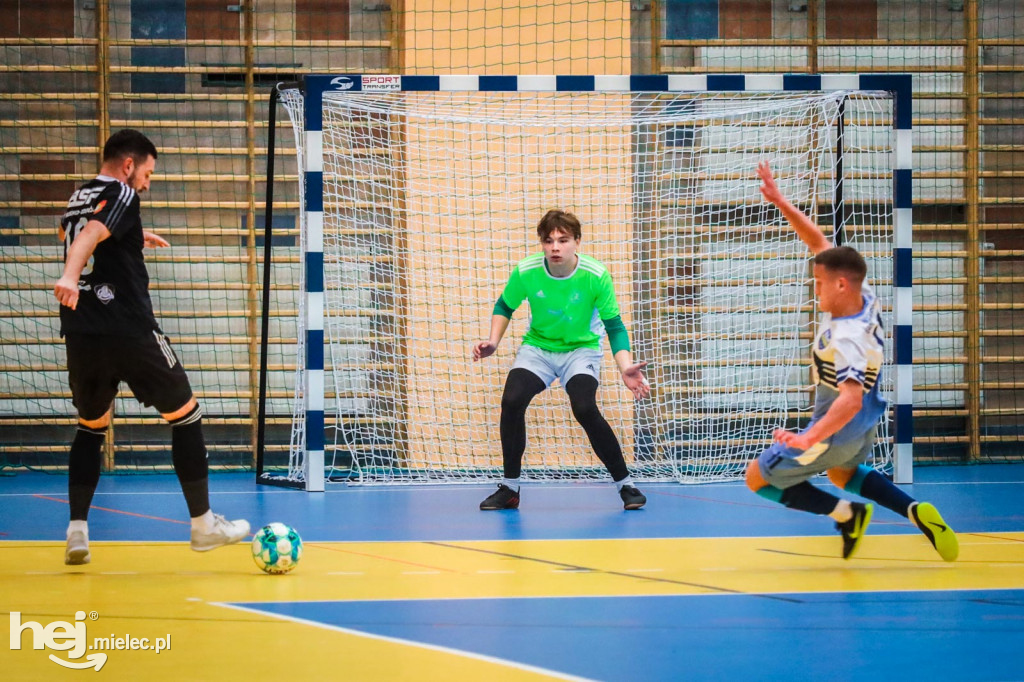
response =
{"points": [[420, 193]]}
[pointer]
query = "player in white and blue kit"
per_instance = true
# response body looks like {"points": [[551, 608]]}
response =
{"points": [[848, 355]]}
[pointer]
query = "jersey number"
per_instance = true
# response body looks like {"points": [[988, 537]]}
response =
{"points": [[69, 237]]}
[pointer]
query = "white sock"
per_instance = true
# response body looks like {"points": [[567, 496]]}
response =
{"points": [[843, 511], [626, 481], [78, 525], [204, 523], [512, 483]]}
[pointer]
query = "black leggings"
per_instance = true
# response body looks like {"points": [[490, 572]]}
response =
{"points": [[520, 388]]}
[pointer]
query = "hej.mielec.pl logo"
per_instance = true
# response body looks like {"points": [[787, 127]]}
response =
{"points": [[71, 637]]}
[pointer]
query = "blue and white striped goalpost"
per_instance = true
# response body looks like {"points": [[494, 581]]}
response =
{"points": [[897, 85]]}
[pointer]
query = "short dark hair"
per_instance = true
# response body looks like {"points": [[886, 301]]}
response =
{"points": [[126, 143], [563, 221], [844, 260]]}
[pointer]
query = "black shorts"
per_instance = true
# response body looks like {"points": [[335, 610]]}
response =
{"points": [[98, 364]]}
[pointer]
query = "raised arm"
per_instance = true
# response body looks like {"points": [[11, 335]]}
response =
{"points": [[805, 228]]}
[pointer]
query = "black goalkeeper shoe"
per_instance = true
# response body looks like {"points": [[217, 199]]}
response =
{"points": [[853, 529], [503, 498], [631, 497]]}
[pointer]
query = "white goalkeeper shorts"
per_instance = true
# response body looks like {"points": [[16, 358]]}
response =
{"points": [[550, 365]]}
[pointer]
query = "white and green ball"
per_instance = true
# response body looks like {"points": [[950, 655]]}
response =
{"points": [[276, 548]]}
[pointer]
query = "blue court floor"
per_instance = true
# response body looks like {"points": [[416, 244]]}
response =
{"points": [[707, 582]]}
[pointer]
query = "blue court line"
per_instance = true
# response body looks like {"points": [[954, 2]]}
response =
{"points": [[961, 635]]}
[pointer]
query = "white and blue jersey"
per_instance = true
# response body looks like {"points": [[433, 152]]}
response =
{"points": [[850, 347]]}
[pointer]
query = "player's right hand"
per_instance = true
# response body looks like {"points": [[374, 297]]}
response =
{"points": [[483, 349], [66, 291], [769, 190]]}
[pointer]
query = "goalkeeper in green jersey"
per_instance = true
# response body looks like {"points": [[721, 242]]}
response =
{"points": [[572, 305]]}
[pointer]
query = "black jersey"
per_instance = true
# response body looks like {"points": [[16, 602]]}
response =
{"points": [[113, 289]]}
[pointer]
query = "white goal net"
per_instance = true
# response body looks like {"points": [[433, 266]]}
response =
{"points": [[430, 199]]}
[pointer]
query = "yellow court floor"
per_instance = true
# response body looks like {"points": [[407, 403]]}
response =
{"points": [[162, 590]]}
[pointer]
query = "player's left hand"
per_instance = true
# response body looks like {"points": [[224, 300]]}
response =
{"points": [[153, 241], [635, 381], [790, 439]]}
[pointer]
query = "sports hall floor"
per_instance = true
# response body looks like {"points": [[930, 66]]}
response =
{"points": [[706, 583]]}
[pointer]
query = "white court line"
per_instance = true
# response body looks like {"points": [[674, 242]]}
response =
{"points": [[409, 642]]}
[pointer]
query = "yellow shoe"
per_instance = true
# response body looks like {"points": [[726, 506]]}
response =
{"points": [[935, 528]]}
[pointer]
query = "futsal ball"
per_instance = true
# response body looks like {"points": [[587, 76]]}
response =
{"points": [[276, 548]]}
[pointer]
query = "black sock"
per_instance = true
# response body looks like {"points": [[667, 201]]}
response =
{"points": [[520, 388], [84, 469], [877, 487], [806, 497], [582, 390], [188, 452]]}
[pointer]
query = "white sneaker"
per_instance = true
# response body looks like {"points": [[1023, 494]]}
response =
{"points": [[77, 551], [222, 533]]}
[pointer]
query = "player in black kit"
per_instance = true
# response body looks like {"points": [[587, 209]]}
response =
{"points": [[111, 335]]}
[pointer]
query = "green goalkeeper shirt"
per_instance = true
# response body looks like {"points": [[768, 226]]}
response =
{"points": [[566, 313]]}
